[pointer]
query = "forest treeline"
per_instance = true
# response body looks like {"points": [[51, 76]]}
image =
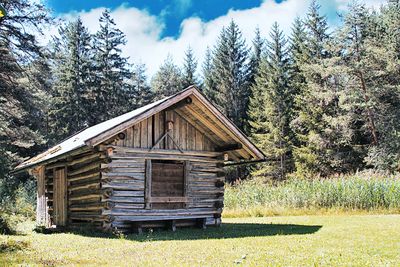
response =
{"points": [[318, 101]]}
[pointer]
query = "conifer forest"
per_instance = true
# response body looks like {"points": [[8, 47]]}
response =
{"points": [[318, 101]]}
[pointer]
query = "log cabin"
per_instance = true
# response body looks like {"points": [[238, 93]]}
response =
{"points": [[159, 165]]}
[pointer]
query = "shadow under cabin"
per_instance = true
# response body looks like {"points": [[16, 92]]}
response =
{"points": [[161, 165]]}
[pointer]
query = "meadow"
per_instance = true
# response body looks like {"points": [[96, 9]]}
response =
{"points": [[352, 220], [340, 240]]}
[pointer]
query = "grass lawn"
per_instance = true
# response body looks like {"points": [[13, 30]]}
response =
{"points": [[357, 240]]}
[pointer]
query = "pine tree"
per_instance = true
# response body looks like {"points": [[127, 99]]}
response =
{"points": [[270, 117], [319, 119], [256, 54], [208, 85], [231, 74], [189, 68], [317, 29], [298, 56], [168, 79], [370, 44], [72, 81], [141, 93], [19, 109], [111, 72]]}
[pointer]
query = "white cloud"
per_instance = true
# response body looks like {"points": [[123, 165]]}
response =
{"points": [[143, 30]]}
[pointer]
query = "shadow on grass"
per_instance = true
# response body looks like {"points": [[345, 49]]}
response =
{"points": [[225, 231]]}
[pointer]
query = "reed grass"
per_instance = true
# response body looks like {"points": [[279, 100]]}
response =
{"points": [[359, 193]]}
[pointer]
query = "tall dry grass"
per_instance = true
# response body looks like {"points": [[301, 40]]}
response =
{"points": [[357, 193]]}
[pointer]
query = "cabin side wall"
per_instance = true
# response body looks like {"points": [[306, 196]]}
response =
{"points": [[83, 194]]}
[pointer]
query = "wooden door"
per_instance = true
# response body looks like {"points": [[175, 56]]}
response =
{"points": [[60, 197]]}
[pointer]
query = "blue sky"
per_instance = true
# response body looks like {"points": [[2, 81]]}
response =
{"points": [[156, 28], [171, 12]]}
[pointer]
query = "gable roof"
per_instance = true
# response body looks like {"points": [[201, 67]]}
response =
{"points": [[98, 133]]}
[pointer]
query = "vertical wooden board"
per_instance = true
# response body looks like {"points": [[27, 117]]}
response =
{"points": [[60, 197], [129, 137], [169, 117], [136, 135], [41, 207], [147, 193], [143, 134], [150, 132], [177, 130], [183, 138], [199, 141], [64, 208], [190, 138], [161, 129], [156, 129]]}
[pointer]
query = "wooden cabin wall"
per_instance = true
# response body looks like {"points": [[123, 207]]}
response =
{"points": [[125, 175], [146, 133], [84, 192]]}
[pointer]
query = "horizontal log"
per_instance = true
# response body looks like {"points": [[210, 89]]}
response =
{"points": [[132, 213], [83, 192], [87, 208], [56, 165], [85, 159], [92, 180], [165, 157], [88, 175], [86, 168], [125, 170], [91, 185], [128, 206], [123, 186], [115, 164], [128, 175], [121, 160], [156, 218], [84, 197], [128, 150], [118, 193], [95, 199], [168, 199], [125, 199]]}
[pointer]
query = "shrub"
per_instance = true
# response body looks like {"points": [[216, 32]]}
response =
{"points": [[15, 210]]}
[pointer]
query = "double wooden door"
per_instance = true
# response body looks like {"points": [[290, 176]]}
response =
{"points": [[60, 201]]}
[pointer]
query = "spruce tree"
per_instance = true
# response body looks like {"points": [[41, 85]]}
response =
{"points": [[20, 112], [189, 68], [231, 74], [141, 93], [256, 54], [270, 117], [370, 44], [72, 82], [168, 80], [208, 85], [111, 71]]}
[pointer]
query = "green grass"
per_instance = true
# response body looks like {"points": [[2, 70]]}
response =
{"points": [[360, 194], [358, 240]]}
